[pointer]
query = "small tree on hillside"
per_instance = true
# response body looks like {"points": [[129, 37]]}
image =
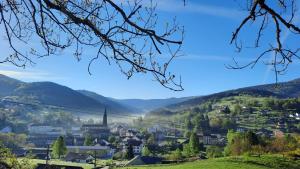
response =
{"points": [[188, 124], [186, 150], [175, 155], [59, 147], [88, 141], [146, 151], [237, 109], [194, 144]]}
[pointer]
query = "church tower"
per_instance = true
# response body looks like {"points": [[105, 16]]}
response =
{"points": [[104, 121]]}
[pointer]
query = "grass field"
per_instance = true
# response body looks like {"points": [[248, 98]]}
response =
{"points": [[265, 162], [59, 162]]}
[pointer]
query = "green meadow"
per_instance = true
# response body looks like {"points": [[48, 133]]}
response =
{"points": [[264, 162]]}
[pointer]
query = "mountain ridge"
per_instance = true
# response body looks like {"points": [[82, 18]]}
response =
{"points": [[289, 89]]}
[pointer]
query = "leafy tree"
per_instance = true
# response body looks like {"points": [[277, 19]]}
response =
{"points": [[240, 143], [59, 25], [146, 151], [251, 138], [215, 122], [88, 141], [151, 139], [175, 155], [237, 109], [214, 152], [186, 150], [228, 123], [188, 124], [194, 144], [12, 140], [8, 160], [59, 147], [111, 139], [187, 134]]}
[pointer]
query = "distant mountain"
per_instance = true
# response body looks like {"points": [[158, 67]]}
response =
{"points": [[8, 85], [283, 89], [290, 89], [146, 105], [109, 102], [47, 94], [52, 94]]}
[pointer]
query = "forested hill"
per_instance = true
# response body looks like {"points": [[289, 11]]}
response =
{"points": [[290, 89]]}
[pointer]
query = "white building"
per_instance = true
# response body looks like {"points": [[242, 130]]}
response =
{"points": [[137, 145]]}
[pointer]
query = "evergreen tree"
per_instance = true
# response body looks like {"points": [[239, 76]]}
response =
{"points": [[194, 143], [226, 110], [188, 124], [187, 134], [251, 138], [59, 147], [129, 153], [146, 151], [88, 141]]}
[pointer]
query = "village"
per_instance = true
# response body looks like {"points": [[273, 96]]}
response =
{"points": [[90, 142]]}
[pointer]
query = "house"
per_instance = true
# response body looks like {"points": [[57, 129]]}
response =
{"points": [[42, 140], [210, 139], [154, 128], [19, 152], [136, 144], [264, 132], [131, 133], [296, 116], [76, 132], [264, 112], [40, 153], [79, 158], [224, 109], [144, 160], [116, 129], [42, 156], [281, 124], [6, 129], [241, 129], [101, 151]]}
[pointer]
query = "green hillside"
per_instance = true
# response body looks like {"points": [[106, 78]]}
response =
{"points": [[254, 112], [266, 162]]}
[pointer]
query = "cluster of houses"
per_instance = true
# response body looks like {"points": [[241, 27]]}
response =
{"points": [[42, 135]]}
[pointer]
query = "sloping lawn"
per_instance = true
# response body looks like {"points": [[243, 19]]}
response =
{"points": [[265, 162]]}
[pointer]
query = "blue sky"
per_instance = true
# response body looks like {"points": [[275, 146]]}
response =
{"points": [[208, 29]]}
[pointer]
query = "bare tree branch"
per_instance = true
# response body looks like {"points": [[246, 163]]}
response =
{"points": [[126, 34], [282, 17]]}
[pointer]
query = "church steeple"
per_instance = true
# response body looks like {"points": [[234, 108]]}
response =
{"points": [[104, 121]]}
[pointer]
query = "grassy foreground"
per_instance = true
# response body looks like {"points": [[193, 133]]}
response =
{"points": [[264, 162]]}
